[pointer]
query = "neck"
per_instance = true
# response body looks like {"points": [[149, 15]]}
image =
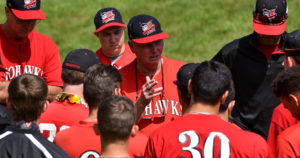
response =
{"points": [[113, 54], [150, 71], [74, 89], [92, 116], [196, 107], [224, 115], [114, 150], [10, 35]]}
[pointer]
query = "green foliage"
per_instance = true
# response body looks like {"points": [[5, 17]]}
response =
{"points": [[198, 29]]}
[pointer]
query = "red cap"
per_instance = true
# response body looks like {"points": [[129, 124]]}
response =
{"points": [[268, 29]]}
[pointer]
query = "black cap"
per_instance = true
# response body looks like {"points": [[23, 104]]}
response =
{"points": [[26, 9], [145, 29], [108, 17], [269, 17], [80, 60], [185, 73], [292, 43]]}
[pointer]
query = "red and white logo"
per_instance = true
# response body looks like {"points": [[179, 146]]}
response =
{"points": [[148, 28], [29, 4], [270, 14], [107, 16]]}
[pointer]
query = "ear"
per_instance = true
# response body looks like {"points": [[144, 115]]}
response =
{"points": [[46, 105], [230, 106], [134, 130], [130, 43], [289, 62], [294, 99], [117, 91], [224, 96], [96, 129], [190, 86]]}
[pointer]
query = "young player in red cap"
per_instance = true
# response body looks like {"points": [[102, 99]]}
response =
{"points": [[110, 32], [69, 107], [151, 76], [100, 81], [254, 61], [24, 50], [286, 87], [200, 132], [282, 117]]}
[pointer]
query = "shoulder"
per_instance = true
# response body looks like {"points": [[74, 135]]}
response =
{"points": [[291, 131], [41, 37]]}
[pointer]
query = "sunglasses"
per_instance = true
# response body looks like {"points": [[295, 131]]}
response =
{"points": [[71, 98]]}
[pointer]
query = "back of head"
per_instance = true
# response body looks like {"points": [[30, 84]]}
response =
{"points": [[100, 82], [27, 96], [230, 97], [292, 45], [210, 81], [116, 117], [287, 82]]}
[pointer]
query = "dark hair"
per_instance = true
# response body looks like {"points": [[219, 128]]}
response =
{"points": [[100, 81], [230, 97], [27, 95], [116, 117], [185, 96], [72, 77], [210, 81], [287, 82]]}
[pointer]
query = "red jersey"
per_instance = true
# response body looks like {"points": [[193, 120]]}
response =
{"points": [[288, 143], [204, 135], [80, 141], [124, 60], [37, 55], [281, 120], [60, 116], [162, 108]]}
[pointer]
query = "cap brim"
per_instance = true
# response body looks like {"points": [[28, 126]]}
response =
{"points": [[29, 14], [110, 25], [152, 38], [268, 29]]}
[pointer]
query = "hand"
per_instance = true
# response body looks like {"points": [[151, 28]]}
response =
{"points": [[147, 92]]}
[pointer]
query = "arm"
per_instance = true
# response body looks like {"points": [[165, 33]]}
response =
{"points": [[3, 91], [52, 92]]}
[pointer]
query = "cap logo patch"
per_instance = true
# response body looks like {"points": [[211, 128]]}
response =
{"points": [[148, 28], [270, 14], [29, 4], [107, 16]]}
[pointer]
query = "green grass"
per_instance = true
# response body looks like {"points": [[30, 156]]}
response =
{"points": [[198, 28]]}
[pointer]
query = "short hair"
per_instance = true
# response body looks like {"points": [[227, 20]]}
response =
{"points": [[100, 81], [185, 96], [72, 77], [210, 81], [27, 95], [287, 82], [230, 97], [116, 117]]}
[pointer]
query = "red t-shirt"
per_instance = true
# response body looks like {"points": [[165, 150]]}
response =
{"points": [[37, 55], [203, 135], [281, 120], [124, 60], [288, 143], [60, 116], [81, 141], [162, 108]]}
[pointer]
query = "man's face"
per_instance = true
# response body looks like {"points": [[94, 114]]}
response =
{"points": [[112, 40], [148, 54], [268, 40], [291, 106], [18, 29]]}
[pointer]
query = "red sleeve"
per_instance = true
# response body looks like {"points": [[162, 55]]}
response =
{"points": [[284, 149], [274, 131], [53, 68]]}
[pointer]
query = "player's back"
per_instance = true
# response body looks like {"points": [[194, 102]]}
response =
{"points": [[204, 135]]}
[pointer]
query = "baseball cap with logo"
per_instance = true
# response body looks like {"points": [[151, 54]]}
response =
{"points": [[108, 17], [184, 74], [80, 60], [145, 29], [26, 9], [292, 43], [269, 17]]}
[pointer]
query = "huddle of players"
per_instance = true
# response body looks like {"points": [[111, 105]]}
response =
{"points": [[147, 79]]}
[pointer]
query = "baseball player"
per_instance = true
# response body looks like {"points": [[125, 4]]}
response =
{"points": [[286, 87], [27, 100], [110, 32], [100, 82], [254, 61], [201, 132], [149, 79], [282, 117], [69, 107], [116, 117], [23, 50]]}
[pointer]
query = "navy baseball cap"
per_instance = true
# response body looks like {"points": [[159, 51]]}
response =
{"points": [[269, 17], [26, 9], [184, 74], [80, 60], [292, 43], [108, 17], [145, 29]]}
